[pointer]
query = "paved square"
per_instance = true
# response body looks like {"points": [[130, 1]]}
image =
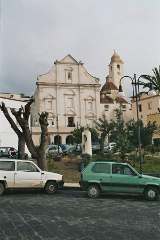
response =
{"points": [[70, 215]]}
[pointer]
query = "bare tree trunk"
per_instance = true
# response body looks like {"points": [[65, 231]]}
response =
{"points": [[21, 147], [38, 153], [41, 160], [25, 136], [29, 141]]}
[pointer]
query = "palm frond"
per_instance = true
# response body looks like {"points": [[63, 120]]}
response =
{"points": [[152, 82]]}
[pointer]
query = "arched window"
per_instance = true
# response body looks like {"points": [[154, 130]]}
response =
{"points": [[118, 66], [57, 139], [69, 139]]}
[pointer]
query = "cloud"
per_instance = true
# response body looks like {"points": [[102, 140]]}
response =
{"points": [[35, 33]]}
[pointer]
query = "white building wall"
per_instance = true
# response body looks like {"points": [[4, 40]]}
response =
{"points": [[77, 97]]}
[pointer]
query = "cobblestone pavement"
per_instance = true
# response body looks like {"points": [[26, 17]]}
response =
{"points": [[70, 215]]}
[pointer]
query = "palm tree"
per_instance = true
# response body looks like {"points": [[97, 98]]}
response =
{"points": [[152, 82], [104, 127]]}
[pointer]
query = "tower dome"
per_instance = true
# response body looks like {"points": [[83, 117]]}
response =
{"points": [[116, 58], [116, 69]]}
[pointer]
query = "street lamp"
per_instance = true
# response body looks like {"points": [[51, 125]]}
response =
{"points": [[58, 137], [136, 95]]}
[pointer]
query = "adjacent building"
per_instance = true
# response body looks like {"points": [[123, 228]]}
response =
{"points": [[147, 105], [149, 111]]}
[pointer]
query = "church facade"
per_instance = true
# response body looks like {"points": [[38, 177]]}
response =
{"points": [[70, 95], [73, 97]]}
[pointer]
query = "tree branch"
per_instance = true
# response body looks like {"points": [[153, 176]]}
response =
{"points": [[26, 130], [28, 109], [43, 120], [10, 120]]}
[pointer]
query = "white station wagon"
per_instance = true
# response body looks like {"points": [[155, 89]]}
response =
{"points": [[15, 174]]}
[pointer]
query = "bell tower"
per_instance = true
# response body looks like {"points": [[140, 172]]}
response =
{"points": [[116, 69]]}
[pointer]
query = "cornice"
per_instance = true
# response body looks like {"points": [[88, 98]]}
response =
{"points": [[133, 100], [67, 84]]}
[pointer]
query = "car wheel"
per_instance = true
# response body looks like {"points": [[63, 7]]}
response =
{"points": [[93, 191], [1, 188], [51, 187], [151, 193]]}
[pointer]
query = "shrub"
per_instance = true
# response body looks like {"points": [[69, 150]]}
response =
{"points": [[50, 164]]}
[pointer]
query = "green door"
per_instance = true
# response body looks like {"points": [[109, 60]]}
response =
{"points": [[125, 180], [101, 172]]}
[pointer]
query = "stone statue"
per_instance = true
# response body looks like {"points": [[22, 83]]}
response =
{"points": [[86, 142]]}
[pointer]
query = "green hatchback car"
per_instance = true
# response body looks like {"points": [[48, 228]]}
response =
{"points": [[113, 177]]}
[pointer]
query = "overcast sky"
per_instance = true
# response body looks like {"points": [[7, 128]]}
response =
{"points": [[34, 33]]}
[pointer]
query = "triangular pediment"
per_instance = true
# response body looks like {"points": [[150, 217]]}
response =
{"points": [[70, 112], [68, 59]]}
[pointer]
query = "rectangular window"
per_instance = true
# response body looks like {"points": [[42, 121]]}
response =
{"points": [[149, 106], [7, 165], [122, 169], [106, 107], [68, 76], [71, 122], [140, 107], [26, 167], [117, 169], [101, 168]]}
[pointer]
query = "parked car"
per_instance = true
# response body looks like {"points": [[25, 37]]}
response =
{"points": [[109, 147], [65, 147], [95, 147], [113, 177], [112, 145], [16, 174], [74, 150], [10, 152], [54, 149]]}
